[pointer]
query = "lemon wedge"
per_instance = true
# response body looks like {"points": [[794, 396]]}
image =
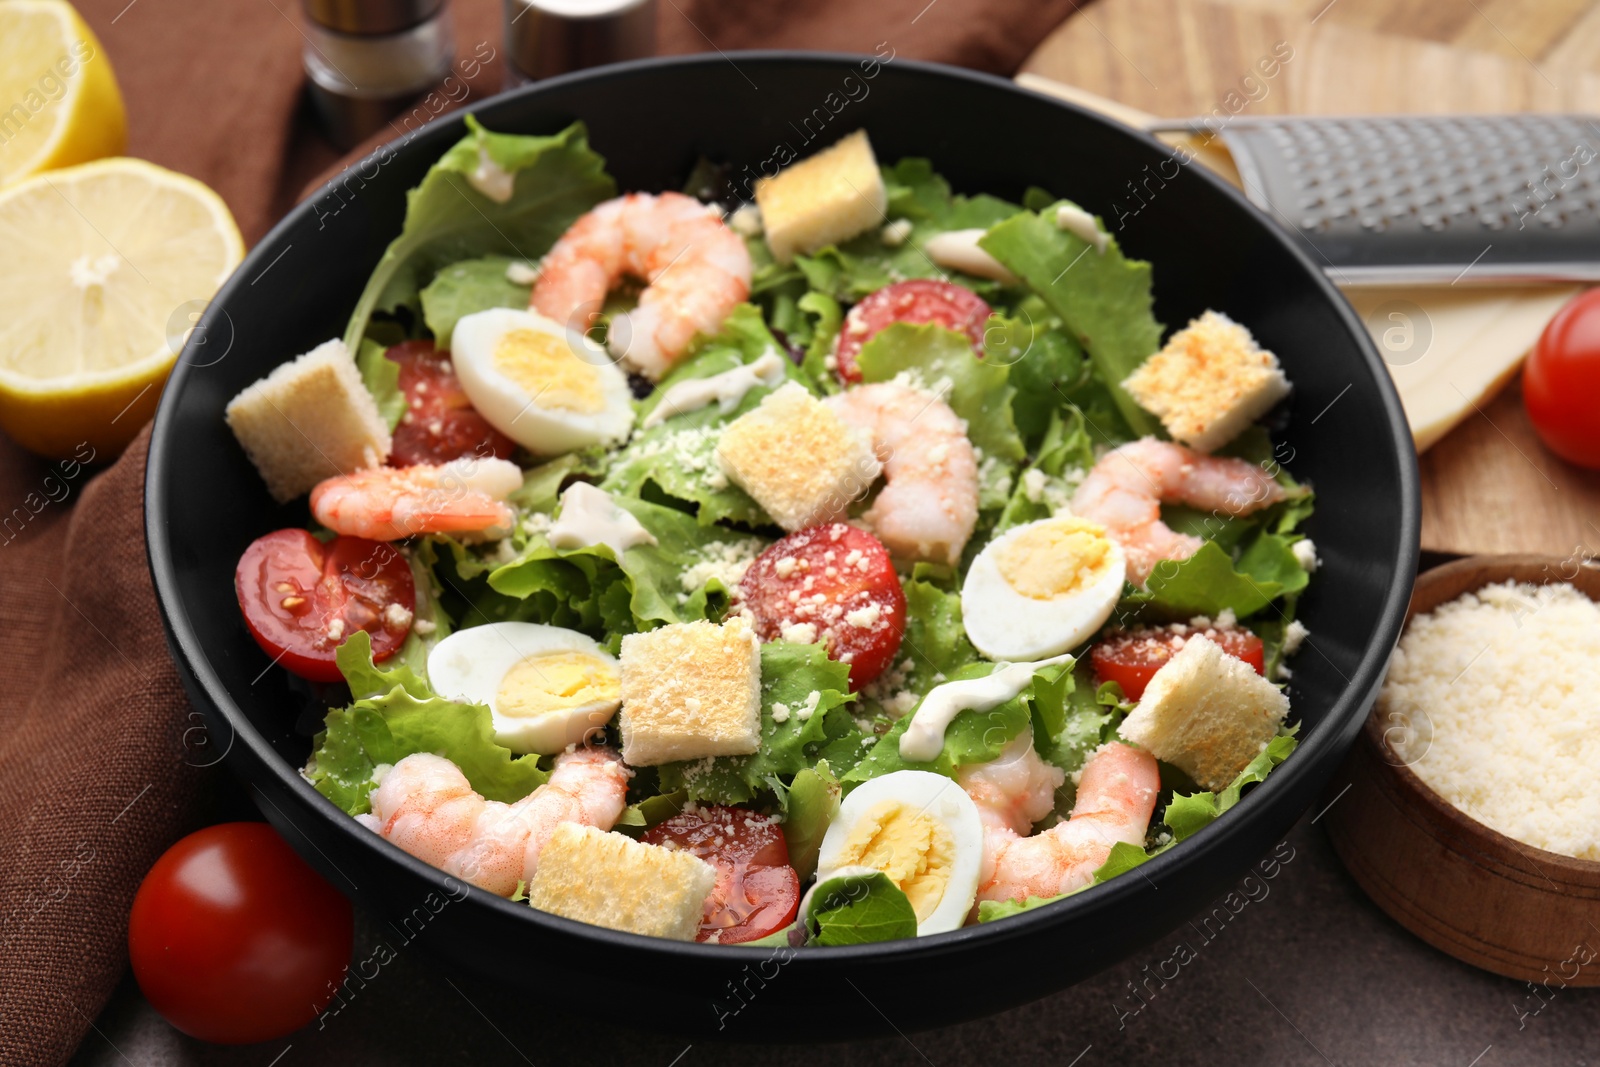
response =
{"points": [[57, 91], [107, 267]]}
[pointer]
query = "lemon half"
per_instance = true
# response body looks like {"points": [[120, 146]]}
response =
{"points": [[106, 266], [59, 103]]}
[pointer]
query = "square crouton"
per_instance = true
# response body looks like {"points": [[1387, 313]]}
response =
{"points": [[828, 198], [610, 880], [797, 459], [1206, 712], [1209, 382], [690, 690], [308, 420]]}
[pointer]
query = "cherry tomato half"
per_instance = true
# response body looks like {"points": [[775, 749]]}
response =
{"points": [[918, 300], [234, 939], [757, 892], [302, 598], [1132, 659], [440, 423], [837, 580], [1561, 382]]}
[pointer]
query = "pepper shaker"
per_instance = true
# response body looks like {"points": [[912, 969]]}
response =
{"points": [[546, 37], [366, 59]]}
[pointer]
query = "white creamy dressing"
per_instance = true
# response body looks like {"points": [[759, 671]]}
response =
{"points": [[924, 738], [490, 178], [1080, 223], [727, 389], [589, 516], [958, 250]]}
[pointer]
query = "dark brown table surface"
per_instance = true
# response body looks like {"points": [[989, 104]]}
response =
{"points": [[1305, 971]]}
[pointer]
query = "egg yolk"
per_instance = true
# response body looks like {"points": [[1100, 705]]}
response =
{"points": [[1054, 559], [549, 371], [556, 681], [913, 848]]}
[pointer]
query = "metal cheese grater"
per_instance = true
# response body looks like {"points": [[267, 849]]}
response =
{"points": [[1428, 199]]}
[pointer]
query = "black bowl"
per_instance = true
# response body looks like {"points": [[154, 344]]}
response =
{"points": [[1346, 434]]}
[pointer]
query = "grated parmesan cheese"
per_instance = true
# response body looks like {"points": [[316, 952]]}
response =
{"points": [[1493, 694]]}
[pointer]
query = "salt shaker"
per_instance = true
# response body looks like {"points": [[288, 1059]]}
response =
{"points": [[367, 59], [545, 37]]}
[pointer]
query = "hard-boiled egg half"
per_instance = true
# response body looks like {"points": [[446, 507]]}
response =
{"points": [[547, 687], [1041, 588], [920, 829], [548, 388]]}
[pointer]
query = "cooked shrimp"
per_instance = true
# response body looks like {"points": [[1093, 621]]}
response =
{"points": [[387, 503], [1116, 797], [426, 806], [929, 502], [697, 268], [1125, 490]]}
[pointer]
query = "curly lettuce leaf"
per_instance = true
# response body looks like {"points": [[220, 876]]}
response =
{"points": [[675, 459], [557, 179], [407, 718], [972, 737], [1065, 449], [467, 287], [790, 674], [1103, 298], [1044, 360], [1186, 815]]}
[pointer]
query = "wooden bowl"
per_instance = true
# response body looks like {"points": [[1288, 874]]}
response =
{"points": [[1464, 888]]}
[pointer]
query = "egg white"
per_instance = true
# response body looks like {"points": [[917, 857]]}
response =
{"points": [[470, 664], [512, 409], [1004, 624], [935, 795]]}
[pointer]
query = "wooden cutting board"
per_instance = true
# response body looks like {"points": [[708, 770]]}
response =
{"points": [[1488, 483]]}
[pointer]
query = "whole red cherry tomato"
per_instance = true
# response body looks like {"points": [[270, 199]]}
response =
{"points": [[234, 939], [1561, 382], [301, 598]]}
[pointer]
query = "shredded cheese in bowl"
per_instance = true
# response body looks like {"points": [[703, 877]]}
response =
{"points": [[1494, 701]]}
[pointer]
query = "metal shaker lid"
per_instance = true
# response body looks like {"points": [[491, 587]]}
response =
{"points": [[367, 17], [547, 37]]}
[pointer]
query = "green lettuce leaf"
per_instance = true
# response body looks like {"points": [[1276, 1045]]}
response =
{"points": [[811, 802], [407, 718], [855, 909], [558, 178], [790, 674], [1065, 448], [1189, 814], [467, 287], [1103, 298], [381, 376], [675, 459]]}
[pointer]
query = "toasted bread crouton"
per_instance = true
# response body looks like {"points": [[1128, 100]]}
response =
{"points": [[608, 879], [822, 200], [310, 419], [1209, 382], [690, 690], [1207, 713], [797, 459]]}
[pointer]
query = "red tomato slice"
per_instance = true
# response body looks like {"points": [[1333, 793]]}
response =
{"points": [[302, 598], [757, 892], [918, 300], [839, 580], [1132, 659], [440, 423], [234, 939], [1561, 380]]}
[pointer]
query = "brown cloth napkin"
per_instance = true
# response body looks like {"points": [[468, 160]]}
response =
{"points": [[100, 754]]}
